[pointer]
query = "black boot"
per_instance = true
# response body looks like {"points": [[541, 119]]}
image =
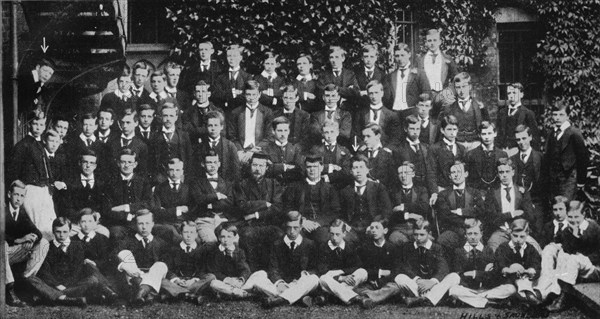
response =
{"points": [[12, 299], [559, 304], [68, 301]]}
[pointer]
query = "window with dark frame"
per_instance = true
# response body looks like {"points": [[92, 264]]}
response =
{"points": [[517, 49], [148, 23]]}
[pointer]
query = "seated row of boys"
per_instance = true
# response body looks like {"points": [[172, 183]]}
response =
{"points": [[300, 270]]}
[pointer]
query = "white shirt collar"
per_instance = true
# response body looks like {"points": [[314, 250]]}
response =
{"points": [[377, 245], [448, 142], [49, 154], [342, 245], [468, 247], [411, 143], [165, 130], [223, 248], [202, 106], [266, 75], [83, 177], [184, 245], [288, 241], [216, 140], [104, 135], [142, 129], [584, 225], [172, 181], [461, 186], [376, 148], [278, 143], [120, 94], [236, 69], [12, 209], [128, 137], [376, 106], [407, 186], [514, 107], [509, 185], [356, 184], [511, 244], [427, 245], [212, 176], [170, 89], [564, 126], [251, 107], [486, 149], [564, 222], [327, 109], [140, 238], [406, 67], [90, 235], [311, 183], [307, 77], [39, 138], [85, 138], [205, 63], [66, 243], [126, 178], [527, 152], [36, 78]]}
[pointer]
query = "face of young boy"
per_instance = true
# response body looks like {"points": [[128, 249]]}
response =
{"points": [[413, 131], [336, 235], [376, 231], [406, 175], [432, 41], [331, 99], [514, 95], [282, 132], [337, 60], [251, 96], [206, 50], [37, 127], [44, 73], [173, 77], [61, 234], [201, 93], [128, 124], [423, 109], [234, 58], [575, 217], [61, 127], [87, 224], [212, 164], [401, 58], [169, 117], [473, 235], [289, 100], [144, 224], [189, 234], [87, 164], [314, 170], [360, 171], [146, 118], [458, 174], [421, 236], [140, 76], [370, 138], [292, 229], [506, 174], [518, 237], [127, 164], [330, 134], [304, 66], [89, 127], [487, 136], [157, 83], [559, 117], [105, 121], [523, 141], [463, 90], [17, 196], [227, 239], [175, 171], [449, 132], [559, 210], [375, 94], [52, 143], [369, 58], [214, 127], [270, 65], [124, 84]]}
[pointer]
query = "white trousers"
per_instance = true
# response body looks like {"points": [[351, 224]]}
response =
{"points": [[152, 277], [295, 290], [340, 289], [478, 298], [38, 204], [435, 294]]}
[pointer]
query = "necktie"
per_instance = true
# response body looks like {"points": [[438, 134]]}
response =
{"points": [[303, 80], [556, 133], [402, 73], [125, 141], [87, 184], [473, 255], [89, 142], [14, 216], [359, 189], [169, 136], [213, 144], [330, 147], [103, 139], [63, 247], [173, 94], [507, 189], [375, 114], [450, 148], [213, 179], [338, 251], [523, 157], [330, 115], [231, 75], [370, 153], [292, 245], [459, 192], [518, 248], [146, 242], [424, 123], [433, 58], [336, 74], [145, 133], [270, 78], [369, 74], [405, 191], [174, 186], [462, 104], [188, 248], [511, 111], [203, 68], [86, 238], [416, 147], [560, 227], [252, 111]]}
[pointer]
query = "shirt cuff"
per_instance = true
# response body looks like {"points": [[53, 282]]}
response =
{"points": [[178, 212], [130, 217], [173, 280], [329, 169]]}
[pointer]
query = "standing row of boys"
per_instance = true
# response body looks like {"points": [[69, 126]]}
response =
{"points": [[189, 189]]}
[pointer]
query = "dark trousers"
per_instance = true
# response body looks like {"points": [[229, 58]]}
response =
{"points": [[87, 287], [256, 241]]}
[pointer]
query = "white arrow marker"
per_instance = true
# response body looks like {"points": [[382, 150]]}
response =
{"points": [[44, 46], [355, 145]]}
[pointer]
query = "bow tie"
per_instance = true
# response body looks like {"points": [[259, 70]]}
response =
{"points": [[213, 179]]}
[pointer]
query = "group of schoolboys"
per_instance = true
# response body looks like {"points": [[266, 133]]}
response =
{"points": [[229, 185]]}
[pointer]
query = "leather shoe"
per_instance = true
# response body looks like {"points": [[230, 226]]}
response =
{"points": [[136, 282], [367, 303], [200, 300], [532, 298], [559, 304], [12, 299], [110, 296], [417, 302], [141, 295], [320, 300], [68, 301], [306, 301], [273, 302]]}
